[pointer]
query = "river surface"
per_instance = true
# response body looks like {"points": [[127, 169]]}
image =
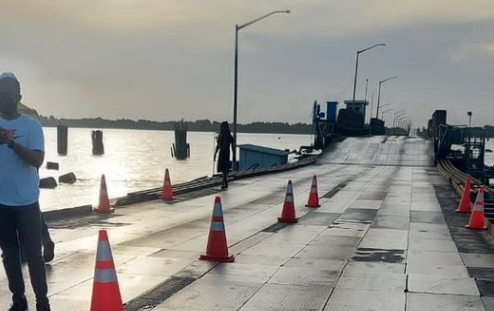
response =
{"points": [[135, 160]]}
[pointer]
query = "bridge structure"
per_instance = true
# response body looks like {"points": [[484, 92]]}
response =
{"points": [[385, 238]]}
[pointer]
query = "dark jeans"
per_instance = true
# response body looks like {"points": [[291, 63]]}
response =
{"points": [[22, 224], [45, 234], [224, 184]]}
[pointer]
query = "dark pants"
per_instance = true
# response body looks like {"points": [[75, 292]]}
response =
{"points": [[224, 184], [22, 224], [45, 237], [45, 234], [224, 166]]}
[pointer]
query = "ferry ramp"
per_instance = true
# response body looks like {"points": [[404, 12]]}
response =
{"points": [[379, 241]]}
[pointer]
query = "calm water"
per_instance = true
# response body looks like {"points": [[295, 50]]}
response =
{"points": [[135, 160]]}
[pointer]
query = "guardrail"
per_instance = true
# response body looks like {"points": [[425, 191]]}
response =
{"points": [[458, 179]]}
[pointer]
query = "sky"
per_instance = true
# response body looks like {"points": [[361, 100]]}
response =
{"points": [[166, 60]]}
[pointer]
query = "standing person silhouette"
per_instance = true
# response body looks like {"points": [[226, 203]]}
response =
{"points": [[223, 145], [21, 154]]}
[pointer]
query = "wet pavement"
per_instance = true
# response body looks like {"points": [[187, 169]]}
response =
{"points": [[379, 241]]}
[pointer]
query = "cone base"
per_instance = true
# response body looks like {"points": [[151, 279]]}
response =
{"points": [[287, 220], [217, 259], [108, 210], [312, 206], [167, 199], [460, 211], [471, 228]]}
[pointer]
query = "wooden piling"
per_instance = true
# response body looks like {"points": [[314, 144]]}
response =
{"points": [[181, 149], [62, 139], [97, 139]]}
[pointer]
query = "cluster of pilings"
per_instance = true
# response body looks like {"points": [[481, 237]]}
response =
{"points": [[63, 138], [179, 150]]}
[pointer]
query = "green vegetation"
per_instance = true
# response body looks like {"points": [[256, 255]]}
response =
{"points": [[196, 126]]}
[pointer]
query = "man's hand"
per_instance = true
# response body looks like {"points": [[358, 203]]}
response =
{"points": [[6, 136]]}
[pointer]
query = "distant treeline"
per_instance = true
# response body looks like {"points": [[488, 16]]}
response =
{"points": [[197, 126]]}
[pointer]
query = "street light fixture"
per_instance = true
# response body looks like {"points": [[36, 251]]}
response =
{"points": [[235, 84], [402, 122], [385, 105], [379, 94], [383, 112], [356, 66], [399, 120], [398, 113]]}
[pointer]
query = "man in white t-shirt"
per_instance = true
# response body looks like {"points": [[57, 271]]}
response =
{"points": [[21, 154]]}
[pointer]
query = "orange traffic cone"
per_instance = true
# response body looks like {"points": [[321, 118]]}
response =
{"points": [[477, 217], [288, 212], [217, 249], [464, 206], [313, 197], [167, 194], [104, 202], [106, 292]]}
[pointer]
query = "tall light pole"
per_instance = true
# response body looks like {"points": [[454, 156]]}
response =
{"points": [[469, 114], [365, 97], [366, 87], [235, 84], [356, 66], [379, 94]]}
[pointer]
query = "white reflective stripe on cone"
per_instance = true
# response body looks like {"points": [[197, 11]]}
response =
{"points": [[105, 276], [217, 226]]}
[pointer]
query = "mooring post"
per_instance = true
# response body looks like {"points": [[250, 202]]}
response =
{"points": [[62, 139], [181, 148], [97, 139]]}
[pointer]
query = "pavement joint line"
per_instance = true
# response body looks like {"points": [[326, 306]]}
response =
{"points": [[244, 205], [379, 165]]}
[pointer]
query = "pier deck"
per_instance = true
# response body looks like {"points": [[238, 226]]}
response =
{"points": [[379, 241]]}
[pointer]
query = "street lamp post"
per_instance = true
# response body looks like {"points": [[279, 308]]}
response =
{"points": [[402, 122], [469, 114], [356, 66], [379, 94], [385, 105], [366, 87], [398, 113], [235, 84], [398, 121], [365, 97]]}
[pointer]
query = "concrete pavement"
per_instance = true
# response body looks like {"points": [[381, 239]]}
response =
{"points": [[379, 241]]}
